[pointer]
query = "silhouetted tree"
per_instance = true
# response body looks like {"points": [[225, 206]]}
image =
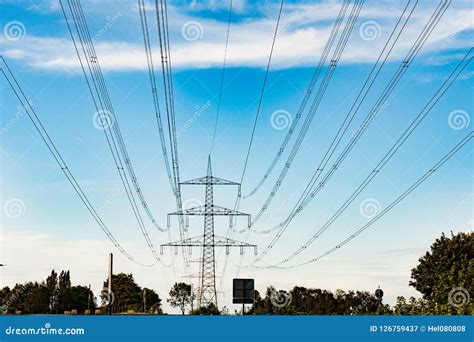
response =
{"points": [[52, 288], [447, 271], [180, 296], [153, 301], [210, 310], [127, 295]]}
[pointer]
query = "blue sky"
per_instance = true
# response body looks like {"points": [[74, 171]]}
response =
{"points": [[54, 229]]}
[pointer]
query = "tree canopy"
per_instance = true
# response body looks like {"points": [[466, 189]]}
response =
{"points": [[181, 296], [127, 295], [445, 273]]}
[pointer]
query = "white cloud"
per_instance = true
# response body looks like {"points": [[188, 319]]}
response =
{"points": [[238, 6], [303, 33], [45, 6]]}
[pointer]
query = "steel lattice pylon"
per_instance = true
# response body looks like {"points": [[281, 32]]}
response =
{"points": [[208, 241], [208, 293]]}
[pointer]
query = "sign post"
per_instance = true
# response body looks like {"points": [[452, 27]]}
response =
{"points": [[242, 290]]}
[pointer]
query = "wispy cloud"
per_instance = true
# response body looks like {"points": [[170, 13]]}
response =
{"points": [[304, 30]]}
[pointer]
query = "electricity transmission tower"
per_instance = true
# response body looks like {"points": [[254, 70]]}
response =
{"points": [[208, 241]]}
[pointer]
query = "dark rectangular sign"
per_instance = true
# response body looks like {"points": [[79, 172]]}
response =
{"points": [[241, 291]]}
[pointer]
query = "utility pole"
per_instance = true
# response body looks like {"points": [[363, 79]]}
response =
{"points": [[89, 298], [109, 289], [208, 241]]}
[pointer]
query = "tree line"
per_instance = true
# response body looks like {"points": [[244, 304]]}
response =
{"points": [[444, 276]]}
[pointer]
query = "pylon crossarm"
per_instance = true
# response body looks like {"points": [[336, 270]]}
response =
{"points": [[209, 180], [219, 241], [214, 210]]}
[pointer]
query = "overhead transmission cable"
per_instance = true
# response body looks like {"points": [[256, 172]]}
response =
{"points": [[367, 85], [16, 88], [221, 87], [154, 89], [309, 91], [341, 44], [107, 116], [260, 100], [239, 195], [163, 36], [310, 191], [383, 99], [315, 105], [315, 77], [385, 159], [407, 192]]}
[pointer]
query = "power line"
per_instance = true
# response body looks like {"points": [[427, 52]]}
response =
{"points": [[310, 192], [16, 88], [328, 46], [154, 89], [315, 105], [309, 91], [107, 115], [367, 85], [239, 195], [408, 191], [262, 93], [221, 87], [385, 159], [353, 15], [161, 11]]}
